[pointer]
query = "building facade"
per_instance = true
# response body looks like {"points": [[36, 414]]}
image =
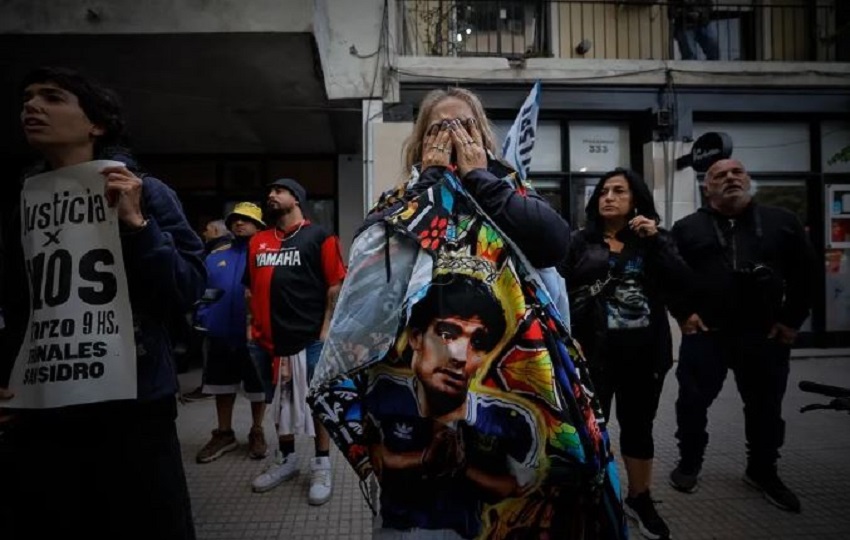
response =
{"points": [[224, 95], [616, 92]]}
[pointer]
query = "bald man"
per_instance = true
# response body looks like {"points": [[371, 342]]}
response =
{"points": [[754, 266]]}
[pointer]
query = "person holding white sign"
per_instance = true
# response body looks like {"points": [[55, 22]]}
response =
{"points": [[97, 258]]}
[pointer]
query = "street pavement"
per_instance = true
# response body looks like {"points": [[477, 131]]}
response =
{"points": [[815, 464]]}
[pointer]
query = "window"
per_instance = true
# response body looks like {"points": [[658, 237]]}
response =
{"points": [[766, 146], [550, 189], [546, 155], [491, 16], [788, 194]]}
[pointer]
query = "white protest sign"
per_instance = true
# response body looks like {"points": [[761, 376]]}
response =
{"points": [[80, 345]]}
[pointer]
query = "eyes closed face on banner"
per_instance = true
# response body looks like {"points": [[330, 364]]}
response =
{"points": [[80, 345]]}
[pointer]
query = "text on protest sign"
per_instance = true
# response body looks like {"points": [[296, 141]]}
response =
{"points": [[80, 345]]}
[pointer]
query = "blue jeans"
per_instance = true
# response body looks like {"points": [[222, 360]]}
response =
{"points": [[263, 361], [314, 352], [761, 370], [705, 35]]}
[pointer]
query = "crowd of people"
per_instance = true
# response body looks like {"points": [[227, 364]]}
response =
{"points": [[435, 359]]}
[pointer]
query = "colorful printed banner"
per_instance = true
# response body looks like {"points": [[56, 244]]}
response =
{"points": [[448, 374]]}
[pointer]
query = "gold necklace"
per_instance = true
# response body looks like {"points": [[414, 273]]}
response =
{"points": [[285, 237]]}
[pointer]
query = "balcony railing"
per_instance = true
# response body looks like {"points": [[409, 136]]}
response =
{"points": [[765, 30]]}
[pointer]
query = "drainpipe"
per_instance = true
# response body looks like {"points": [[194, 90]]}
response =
{"points": [[372, 112]]}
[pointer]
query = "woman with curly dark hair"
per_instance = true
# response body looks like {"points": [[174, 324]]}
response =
{"points": [[620, 271]]}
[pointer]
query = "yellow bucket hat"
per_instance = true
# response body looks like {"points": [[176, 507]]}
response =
{"points": [[248, 210]]}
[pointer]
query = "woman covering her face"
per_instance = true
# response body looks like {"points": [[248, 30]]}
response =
{"points": [[474, 434], [452, 132]]}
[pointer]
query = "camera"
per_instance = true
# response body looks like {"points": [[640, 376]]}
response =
{"points": [[760, 284], [754, 271]]}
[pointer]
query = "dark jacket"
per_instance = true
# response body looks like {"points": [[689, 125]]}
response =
{"points": [[527, 219], [731, 291], [165, 276], [666, 276]]}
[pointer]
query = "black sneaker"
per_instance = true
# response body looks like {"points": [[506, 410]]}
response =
{"points": [[685, 478], [773, 489], [196, 395], [642, 509]]}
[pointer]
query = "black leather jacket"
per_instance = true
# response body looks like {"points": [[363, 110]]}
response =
{"points": [[666, 276], [724, 295]]}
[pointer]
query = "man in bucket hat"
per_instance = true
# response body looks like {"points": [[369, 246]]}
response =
{"points": [[295, 272], [227, 361]]}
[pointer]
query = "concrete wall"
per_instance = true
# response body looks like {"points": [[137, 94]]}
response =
{"points": [[349, 197], [154, 16], [580, 71], [347, 32], [389, 139], [615, 30], [354, 55], [682, 198]]}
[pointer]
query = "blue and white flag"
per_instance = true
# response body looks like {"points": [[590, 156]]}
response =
{"points": [[519, 143], [520, 139]]}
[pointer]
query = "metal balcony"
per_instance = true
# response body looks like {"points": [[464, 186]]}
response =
{"points": [[754, 30]]}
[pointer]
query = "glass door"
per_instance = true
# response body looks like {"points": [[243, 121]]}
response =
{"points": [[837, 257], [581, 188]]}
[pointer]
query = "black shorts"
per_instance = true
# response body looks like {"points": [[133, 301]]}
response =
{"points": [[228, 366]]}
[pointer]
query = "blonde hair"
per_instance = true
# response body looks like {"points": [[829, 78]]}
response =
{"points": [[412, 150]]}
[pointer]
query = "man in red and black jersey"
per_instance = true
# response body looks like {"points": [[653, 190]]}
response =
{"points": [[294, 275]]}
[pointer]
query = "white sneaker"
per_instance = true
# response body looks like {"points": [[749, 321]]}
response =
{"points": [[278, 470], [320, 481]]}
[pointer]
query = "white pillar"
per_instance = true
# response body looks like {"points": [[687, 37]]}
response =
{"points": [[676, 192], [373, 112]]}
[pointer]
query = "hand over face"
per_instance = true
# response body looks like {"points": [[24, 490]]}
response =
{"points": [[124, 191], [468, 146], [437, 146]]}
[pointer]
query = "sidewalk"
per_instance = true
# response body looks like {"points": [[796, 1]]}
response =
{"points": [[815, 464]]}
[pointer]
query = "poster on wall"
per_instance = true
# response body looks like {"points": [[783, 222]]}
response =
{"points": [[837, 290], [80, 345]]}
